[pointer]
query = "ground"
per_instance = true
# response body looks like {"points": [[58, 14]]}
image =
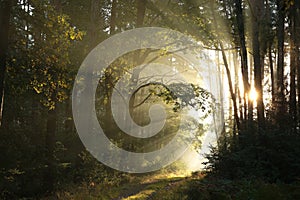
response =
{"points": [[196, 186]]}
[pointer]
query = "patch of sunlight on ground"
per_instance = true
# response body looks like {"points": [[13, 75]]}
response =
{"points": [[190, 162], [166, 176], [141, 195]]}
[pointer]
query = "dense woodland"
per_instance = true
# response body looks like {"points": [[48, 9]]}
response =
{"points": [[43, 43]]}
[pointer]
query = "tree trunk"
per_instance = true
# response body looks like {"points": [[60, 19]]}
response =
{"points": [[269, 45], [293, 62], [94, 23], [113, 16], [50, 137], [236, 85], [140, 15], [243, 54], [5, 11], [233, 96], [141, 9], [272, 73], [297, 52], [231, 89], [257, 61], [280, 59], [50, 144]]}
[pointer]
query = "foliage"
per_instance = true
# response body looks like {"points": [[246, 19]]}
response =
{"points": [[48, 41], [270, 155], [209, 188]]}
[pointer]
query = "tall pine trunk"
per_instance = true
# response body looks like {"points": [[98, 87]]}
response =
{"points": [[280, 58], [293, 62], [141, 10], [231, 88], [50, 138], [49, 178], [244, 59], [113, 16], [256, 13], [297, 52], [5, 12], [271, 66], [138, 57], [94, 23]]}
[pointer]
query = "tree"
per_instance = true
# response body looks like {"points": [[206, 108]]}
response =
{"points": [[244, 59], [297, 51], [141, 9], [256, 11], [113, 15], [5, 10], [293, 63], [280, 59]]}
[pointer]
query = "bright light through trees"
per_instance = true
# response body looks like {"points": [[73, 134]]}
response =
{"points": [[253, 95]]}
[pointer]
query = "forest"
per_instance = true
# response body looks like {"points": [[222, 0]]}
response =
{"points": [[76, 75]]}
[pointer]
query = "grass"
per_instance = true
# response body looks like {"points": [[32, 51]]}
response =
{"points": [[143, 195], [164, 186], [136, 187]]}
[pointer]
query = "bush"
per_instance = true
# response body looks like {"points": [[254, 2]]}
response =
{"points": [[271, 155]]}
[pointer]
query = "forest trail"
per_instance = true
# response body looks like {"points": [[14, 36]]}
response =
{"points": [[150, 189]]}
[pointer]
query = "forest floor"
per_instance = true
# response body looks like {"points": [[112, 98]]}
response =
{"points": [[181, 187], [147, 187]]}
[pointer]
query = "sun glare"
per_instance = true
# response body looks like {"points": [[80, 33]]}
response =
{"points": [[253, 94]]}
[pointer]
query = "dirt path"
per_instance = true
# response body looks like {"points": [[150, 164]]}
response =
{"points": [[169, 186], [132, 191], [159, 185]]}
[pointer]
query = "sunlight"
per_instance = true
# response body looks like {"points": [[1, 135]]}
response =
{"points": [[192, 160], [253, 95]]}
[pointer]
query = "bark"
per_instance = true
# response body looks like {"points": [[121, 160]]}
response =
{"points": [[257, 61], [232, 94], [243, 54], [280, 58], [293, 62], [231, 89], [250, 114], [69, 124], [113, 16], [271, 65], [49, 178], [269, 45], [297, 53], [236, 84], [94, 23], [141, 10], [5, 12], [50, 137], [139, 58]]}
